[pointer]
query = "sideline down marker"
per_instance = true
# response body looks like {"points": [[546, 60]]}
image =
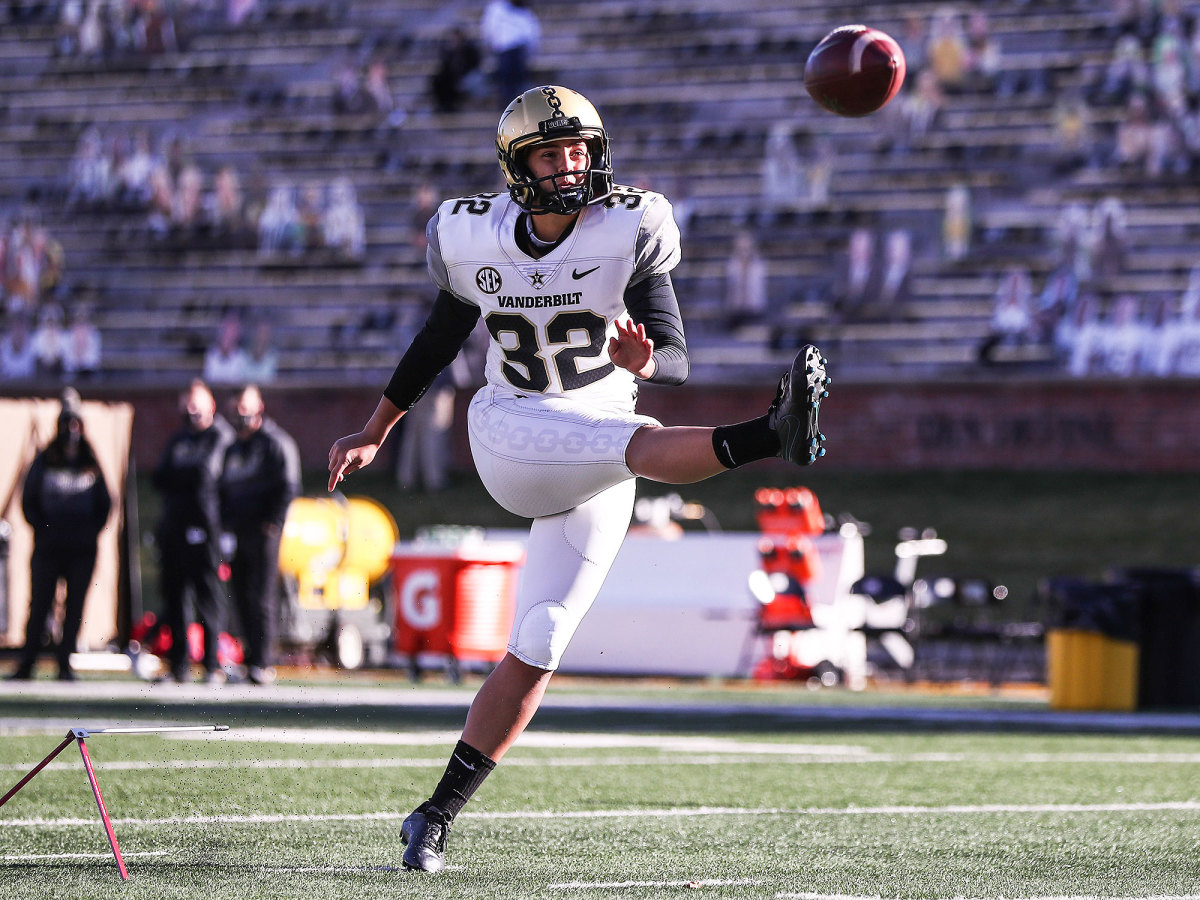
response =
{"points": [[79, 735]]}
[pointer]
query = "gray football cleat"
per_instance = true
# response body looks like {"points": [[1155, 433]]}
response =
{"points": [[793, 415]]}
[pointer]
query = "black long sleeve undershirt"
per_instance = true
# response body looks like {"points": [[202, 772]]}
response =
{"points": [[651, 303]]}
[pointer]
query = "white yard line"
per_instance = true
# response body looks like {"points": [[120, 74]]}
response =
{"points": [[672, 813], [806, 896], [714, 756], [695, 883], [32, 857]]}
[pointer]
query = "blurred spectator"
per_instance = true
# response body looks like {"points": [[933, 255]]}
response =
{"points": [[379, 93], [259, 478], [349, 95], [66, 34], [745, 281], [66, 502], [1121, 338], [1169, 72], [18, 360], [511, 32], [310, 211], [261, 364], [820, 172], [1189, 301], [423, 462], [81, 353], [1108, 243], [1160, 334], [914, 41], [1185, 341], [896, 276], [1012, 316], [956, 223], [134, 188], [948, 54], [1057, 300], [1142, 141], [458, 65], [189, 529], [187, 207], [162, 201], [35, 261], [225, 361], [981, 70], [1126, 73], [279, 227], [1077, 336], [856, 281], [342, 226], [783, 187], [50, 341], [153, 28], [1072, 240], [425, 202], [91, 32], [91, 177], [1073, 139], [225, 208], [920, 110]]}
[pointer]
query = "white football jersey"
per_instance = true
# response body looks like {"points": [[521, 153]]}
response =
{"points": [[550, 319]]}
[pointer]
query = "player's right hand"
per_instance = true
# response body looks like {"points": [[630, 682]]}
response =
{"points": [[349, 454]]}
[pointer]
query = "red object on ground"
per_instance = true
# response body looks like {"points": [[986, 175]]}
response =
{"points": [[457, 602]]}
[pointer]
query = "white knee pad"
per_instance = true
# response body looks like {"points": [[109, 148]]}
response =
{"points": [[567, 560]]}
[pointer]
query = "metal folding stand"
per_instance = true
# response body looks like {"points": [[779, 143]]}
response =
{"points": [[79, 735]]}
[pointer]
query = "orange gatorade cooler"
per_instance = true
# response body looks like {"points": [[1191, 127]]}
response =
{"points": [[456, 602]]}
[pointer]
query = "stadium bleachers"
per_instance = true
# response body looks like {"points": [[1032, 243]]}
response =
{"points": [[689, 91]]}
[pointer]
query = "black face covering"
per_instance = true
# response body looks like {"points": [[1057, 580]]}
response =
{"points": [[193, 420], [244, 423]]}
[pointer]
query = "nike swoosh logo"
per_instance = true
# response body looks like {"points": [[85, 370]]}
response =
{"points": [[725, 444], [576, 274], [464, 762]]}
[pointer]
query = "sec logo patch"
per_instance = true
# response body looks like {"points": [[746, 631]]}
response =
{"points": [[487, 280]]}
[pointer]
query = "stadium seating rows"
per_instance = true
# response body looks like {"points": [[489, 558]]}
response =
{"points": [[689, 91]]}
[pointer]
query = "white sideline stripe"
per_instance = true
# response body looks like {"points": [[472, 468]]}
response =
{"points": [[694, 883], [556, 740], [749, 758], [805, 896], [677, 813], [30, 857]]}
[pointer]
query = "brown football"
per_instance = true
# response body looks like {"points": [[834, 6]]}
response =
{"points": [[854, 70]]}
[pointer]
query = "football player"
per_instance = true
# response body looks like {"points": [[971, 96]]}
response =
{"points": [[571, 276]]}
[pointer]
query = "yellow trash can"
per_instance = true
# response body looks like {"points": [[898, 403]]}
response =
{"points": [[1089, 670]]}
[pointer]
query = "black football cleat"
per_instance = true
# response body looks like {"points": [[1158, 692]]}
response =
{"points": [[425, 832], [793, 415]]}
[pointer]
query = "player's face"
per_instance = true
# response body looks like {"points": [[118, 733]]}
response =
{"points": [[569, 157]]}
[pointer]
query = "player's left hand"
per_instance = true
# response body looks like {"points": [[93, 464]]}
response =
{"points": [[631, 349]]}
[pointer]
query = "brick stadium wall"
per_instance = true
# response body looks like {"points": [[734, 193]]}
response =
{"points": [[1133, 424]]}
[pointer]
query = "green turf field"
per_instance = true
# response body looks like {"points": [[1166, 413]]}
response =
{"points": [[306, 800]]}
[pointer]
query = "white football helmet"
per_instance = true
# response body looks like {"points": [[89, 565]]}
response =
{"points": [[550, 113]]}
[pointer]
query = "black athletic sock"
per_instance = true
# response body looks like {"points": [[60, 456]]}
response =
{"points": [[464, 774], [736, 445]]}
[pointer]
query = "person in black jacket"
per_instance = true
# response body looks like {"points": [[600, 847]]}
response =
{"points": [[66, 501], [260, 477], [189, 531]]}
